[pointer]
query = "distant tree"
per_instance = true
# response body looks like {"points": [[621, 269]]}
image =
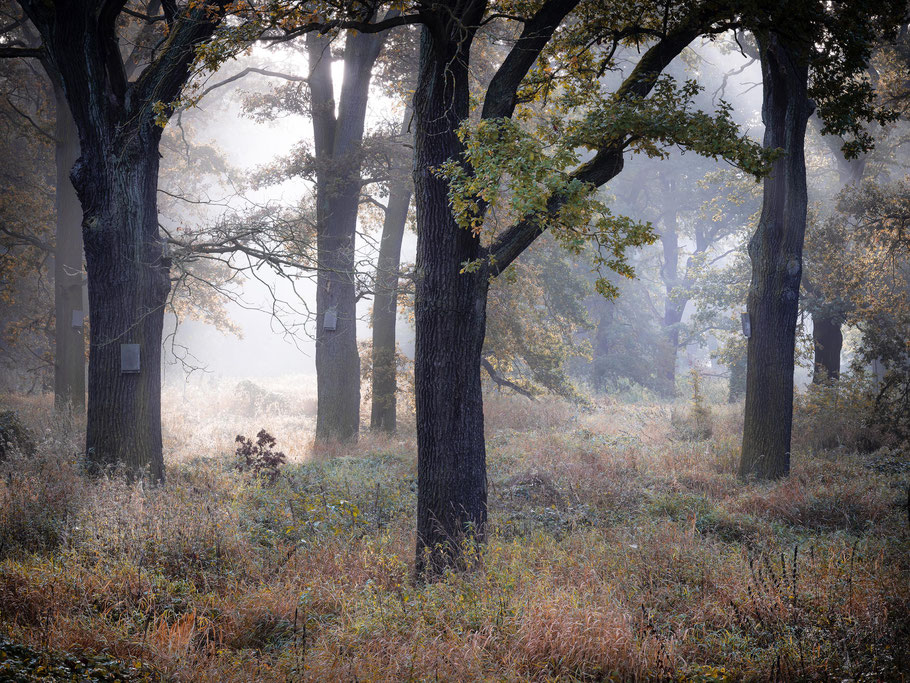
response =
{"points": [[835, 41], [383, 409], [886, 70], [337, 164], [67, 257], [26, 227], [872, 232]]}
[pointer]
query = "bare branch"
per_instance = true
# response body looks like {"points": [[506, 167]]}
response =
{"points": [[246, 72], [359, 26], [18, 52], [30, 240], [502, 381]]}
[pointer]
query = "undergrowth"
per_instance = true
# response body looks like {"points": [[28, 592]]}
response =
{"points": [[617, 551]]}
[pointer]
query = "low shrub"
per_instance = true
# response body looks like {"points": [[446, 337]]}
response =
{"points": [[260, 458], [834, 414], [39, 495], [696, 422]]}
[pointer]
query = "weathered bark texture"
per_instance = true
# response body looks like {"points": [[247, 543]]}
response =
{"points": [[128, 284], [450, 307], [383, 413], [338, 182], [776, 252], [69, 354], [450, 312]]}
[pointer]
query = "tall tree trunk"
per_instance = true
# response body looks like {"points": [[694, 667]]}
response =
{"points": [[116, 180], [338, 148], [385, 303], [128, 284], [827, 337], [776, 253], [673, 309], [450, 312], [69, 356], [337, 358]]}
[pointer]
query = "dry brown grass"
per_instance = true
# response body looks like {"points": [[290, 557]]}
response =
{"points": [[616, 551]]}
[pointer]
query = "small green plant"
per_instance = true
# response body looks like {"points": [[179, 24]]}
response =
{"points": [[260, 458], [698, 423]]}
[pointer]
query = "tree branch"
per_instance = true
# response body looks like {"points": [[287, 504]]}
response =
{"points": [[17, 52], [502, 381], [500, 98], [131, 64], [144, 17], [608, 161], [323, 27], [246, 72], [31, 121], [28, 239], [164, 78], [107, 22]]}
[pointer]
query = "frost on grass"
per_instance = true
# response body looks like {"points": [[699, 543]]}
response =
{"points": [[617, 550]]}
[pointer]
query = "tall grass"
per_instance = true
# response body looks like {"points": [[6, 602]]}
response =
{"points": [[617, 550]]}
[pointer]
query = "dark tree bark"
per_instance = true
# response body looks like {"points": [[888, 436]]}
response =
{"points": [[828, 341], [338, 183], [450, 306], [116, 180], [128, 284], [450, 312], [776, 253], [69, 355], [383, 413]]}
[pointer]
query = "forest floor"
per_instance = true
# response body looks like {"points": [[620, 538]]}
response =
{"points": [[621, 546]]}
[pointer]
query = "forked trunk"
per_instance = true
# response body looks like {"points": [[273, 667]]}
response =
{"points": [[450, 311], [69, 314], [776, 253], [128, 278]]}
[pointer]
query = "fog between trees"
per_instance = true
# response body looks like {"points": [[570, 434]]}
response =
{"points": [[358, 224]]}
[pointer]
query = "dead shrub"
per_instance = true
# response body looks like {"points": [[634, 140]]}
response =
{"points": [[39, 495], [837, 414], [845, 505], [569, 639]]}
